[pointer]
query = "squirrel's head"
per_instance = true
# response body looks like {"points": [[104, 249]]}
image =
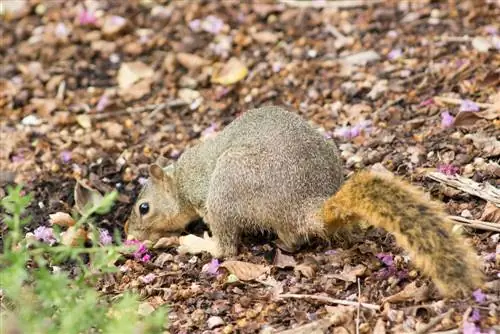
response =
{"points": [[158, 212]]}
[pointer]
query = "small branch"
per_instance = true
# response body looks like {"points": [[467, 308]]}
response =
{"points": [[359, 307], [434, 322], [451, 100], [482, 190], [330, 4], [130, 110], [330, 300], [477, 224]]}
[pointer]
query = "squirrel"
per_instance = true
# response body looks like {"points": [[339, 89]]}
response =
{"points": [[269, 170]]}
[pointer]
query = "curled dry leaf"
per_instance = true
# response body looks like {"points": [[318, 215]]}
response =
{"points": [[232, 72], [85, 197], [245, 271], [410, 292], [283, 261], [191, 61], [350, 273], [193, 244], [491, 213], [306, 270], [73, 236], [61, 219], [166, 242]]}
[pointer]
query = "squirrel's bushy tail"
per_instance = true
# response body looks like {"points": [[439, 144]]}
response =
{"points": [[419, 225]]}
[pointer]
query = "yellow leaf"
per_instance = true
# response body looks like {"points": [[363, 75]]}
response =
{"points": [[232, 72]]}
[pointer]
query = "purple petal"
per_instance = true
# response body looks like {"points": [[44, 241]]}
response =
{"points": [[479, 296], [211, 267], [148, 278], [386, 258], [427, 102], [470, 328], [45, 234], [468, 105], [146, 258], [446, 119], [195, 25], [102, 103], [87, 17], [448, 169], [65, 156], [475, 315], [395, 54], [104, 237]]}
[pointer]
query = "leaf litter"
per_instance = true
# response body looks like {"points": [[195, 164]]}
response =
{"points": [[88, 99]]}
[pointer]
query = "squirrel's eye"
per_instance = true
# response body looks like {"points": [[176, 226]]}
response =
{"points": [[144, 208]]}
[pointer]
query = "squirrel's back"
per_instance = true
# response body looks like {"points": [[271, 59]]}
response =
{"points": [[284, 164]]}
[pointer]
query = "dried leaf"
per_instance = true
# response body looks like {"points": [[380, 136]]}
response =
{"points": [[85, 197], [166, 242], [283, 261], [61, 219], [84, 121], [191, 61], [193, 244], [410, 292], [491, 213], [245, 271], [113, 25], [489, 145], [361, 58], [232, 72], [350, 273], [73, 236], [307, 270], [130, 73]]}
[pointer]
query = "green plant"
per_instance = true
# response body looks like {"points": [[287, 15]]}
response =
{"points": [[39, 297]]}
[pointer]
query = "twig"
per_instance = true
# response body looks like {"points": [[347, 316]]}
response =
{"points": [[330, 4], [435, 321], [481, 190], [330, 300], [131, 110], [451, 100], [477, 224], [359, 306]]}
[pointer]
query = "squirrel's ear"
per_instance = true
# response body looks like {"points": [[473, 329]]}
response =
{"points": [[156, 172]]}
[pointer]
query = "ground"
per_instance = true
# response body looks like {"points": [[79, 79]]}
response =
{"points": [[96, 91]]}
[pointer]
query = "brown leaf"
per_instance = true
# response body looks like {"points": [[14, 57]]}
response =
{"points": [[85, 197], [245, 271], [350, 273], [489, 145], [73, 236], [307, 270], [410, 292], [137, 90], [283, 261], [166, 242], [191, 61], [61, 219], [491, 213], [44, 106]]}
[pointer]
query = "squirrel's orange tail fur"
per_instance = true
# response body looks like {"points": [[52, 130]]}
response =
{"points": [[419, 225]]}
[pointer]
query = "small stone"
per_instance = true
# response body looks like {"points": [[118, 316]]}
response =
{"points": [[214, 322]]}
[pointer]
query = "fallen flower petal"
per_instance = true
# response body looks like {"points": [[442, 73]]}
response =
{"points": [[479, 296], [448, 169], [211, 267], [45, 234], [148, 278], [447, 119], [87, 17], [468, 105], [104, 237]]}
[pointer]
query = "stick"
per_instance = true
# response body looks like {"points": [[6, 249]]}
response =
{"points": [[359, 307], [330, 300], [481, 190], [435, 321], [477, 224], [451, 100], [130, 110], [330, 4]]}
